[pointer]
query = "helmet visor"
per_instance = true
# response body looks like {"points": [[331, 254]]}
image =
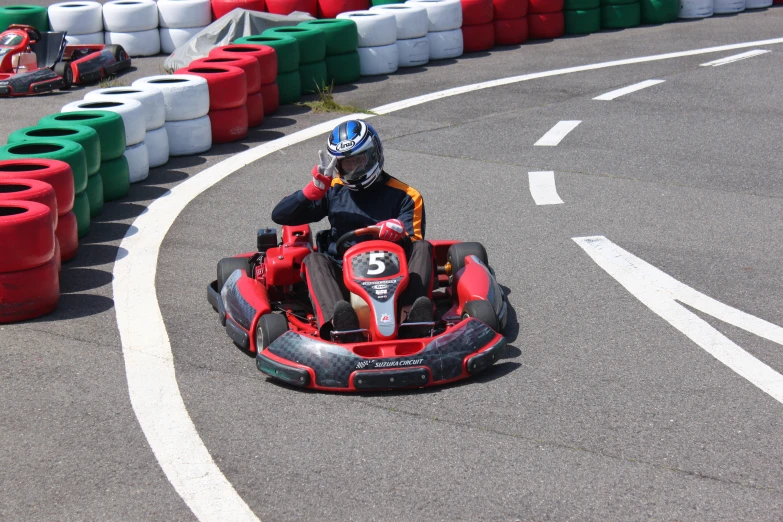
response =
{"points": [[354, 168]]}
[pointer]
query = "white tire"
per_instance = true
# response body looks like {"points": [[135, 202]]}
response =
{"points": [[157, 147], [413, 52], [84, 39], [445, 44], [728, 6], [138, 162], [76, 18], [151, 100], [130, 16], [181, 14], [412, 21], [186, 96], [132, 112], [378, 60], [375, 28], [189, 137], [443, 15], [758, 4], [171, 39], [142, 43], [696, 8]]}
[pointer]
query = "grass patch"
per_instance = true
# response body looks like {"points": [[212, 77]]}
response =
{"points": [[112, 81], [327, 103]]}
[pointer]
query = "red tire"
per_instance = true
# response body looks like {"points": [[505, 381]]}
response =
{"points": [[545, 6], [255, 109], [331, 8], [229, 125], [545, 26], [511, 32], [67, 233], [247, 63], [30, 190], [56, 173], [266, 56], [221, 7], [509, 9], [27, 294], [271, 94], [26, 235], [227, 85], [285, 7], [478, 37], [476, 12]]}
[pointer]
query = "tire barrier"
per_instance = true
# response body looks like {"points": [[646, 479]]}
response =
{"points": [[331, 8], [227, 85], [95, 194], [247, 63], [115, 174], [413, 52], [478, 38], [133, 24], [30, 190], [413, 48], [758, 4], [728, 6], [695, 9], [285, 7], [81, 209], [138, 162], [510, 9], [313, 76], [341, 35], [31, 293], [24, 14], [545, 26], [620, 16], [141, 43], [78, 19], [445, 44], [108, 125], [659, 11], [374, 28], [222, 7], [380, 60], [512, 31], [265, 55], [311, 40], [343, 68], [180, 20], [63, 150], [157, 146], [67, 235], [81, 134], [85, 39], [186, 96], [255, 109], [26, 235], [443, 15], [286, 49], [271, 94], [477, 12], [152, 102], [229, 125], [53, 172], [172, 38], [289, 87], [582, 21], [132, 113], [188, 137]]}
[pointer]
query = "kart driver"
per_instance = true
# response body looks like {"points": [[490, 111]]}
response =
{"points": [[361, 195]]}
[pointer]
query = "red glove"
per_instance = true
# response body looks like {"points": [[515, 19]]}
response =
{"points": [[322, 178], [391, 230]]}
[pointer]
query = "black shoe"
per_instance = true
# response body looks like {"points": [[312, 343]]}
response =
{"points": [[344, 319], [422, 311]]}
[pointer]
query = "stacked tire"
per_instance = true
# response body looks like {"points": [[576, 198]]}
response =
{"points": [[82, 21], [620, 14], [133, 24], [341, 41], [511, 25], [659, 11], [24, 14], [413, 48], [266, 100], [444, 32], [545, 19], [227, 87], [181, 20], [289, 86], [757, 4], [286, 7], [312, 54], [222, 7], [377, 41], [329, 9], [478, 29], [690, 9], [584, 16]]}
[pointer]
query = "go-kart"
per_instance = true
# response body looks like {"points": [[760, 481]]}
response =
{"points": [[32, 62], [264, 305]]}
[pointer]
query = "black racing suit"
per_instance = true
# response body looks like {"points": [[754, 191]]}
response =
{"points": [[348, 210]]}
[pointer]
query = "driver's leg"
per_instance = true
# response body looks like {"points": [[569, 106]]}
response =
{"points": [[420, 271], [321, 275]]}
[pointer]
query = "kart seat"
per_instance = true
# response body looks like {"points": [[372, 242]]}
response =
{"points": [[49, 49], [322, 240]]}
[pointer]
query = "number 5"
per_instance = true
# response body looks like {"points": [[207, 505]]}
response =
{"points": [[375, 260]]}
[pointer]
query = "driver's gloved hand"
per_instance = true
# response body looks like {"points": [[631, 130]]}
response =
{"points": [[322, 178], [391, 230]]}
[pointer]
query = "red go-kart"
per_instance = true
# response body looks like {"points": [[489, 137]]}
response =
{"points": [[264, 305], [32, 62]]}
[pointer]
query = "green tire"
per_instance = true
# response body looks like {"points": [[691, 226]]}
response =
{"points": [[85, 136], [582, 5], [34, 15], [618, 2], [108, 125], [383, 2], [312, 76], [286, 47], [81, 208], [116, 178], [343, 68], [659, 11], [312, 41], [340, 33], [620, 16], [582, 21], [290, 87], [95, 194], [68, 151]]}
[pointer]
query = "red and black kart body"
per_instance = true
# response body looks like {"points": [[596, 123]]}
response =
{"points": [[33, 63], [264, 305]]}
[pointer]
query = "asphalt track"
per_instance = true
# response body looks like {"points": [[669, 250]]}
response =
{"points": [[603, 409]]}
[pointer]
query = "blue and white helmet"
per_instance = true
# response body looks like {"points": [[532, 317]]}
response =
{"points": [[359, 153]]}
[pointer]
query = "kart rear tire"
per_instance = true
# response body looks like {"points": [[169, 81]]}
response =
{"points": [[56, 173], [483, 311], [227, 266], [270, 327], [459, 251]]}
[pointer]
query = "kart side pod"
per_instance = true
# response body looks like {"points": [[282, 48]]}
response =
{"points": [[475, 281]]}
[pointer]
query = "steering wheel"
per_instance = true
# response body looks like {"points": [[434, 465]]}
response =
{"points": [[340, 244], [32, 32]]}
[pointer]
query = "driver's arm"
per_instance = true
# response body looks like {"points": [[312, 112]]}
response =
{"points": [[296, 209], [412, 216]]}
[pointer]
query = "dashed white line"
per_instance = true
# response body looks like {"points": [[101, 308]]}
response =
{"points": [[661, 293], [542, 188], [557, 133], [734, 58], [611, 95]]}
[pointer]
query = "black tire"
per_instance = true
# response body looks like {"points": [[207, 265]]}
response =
{"points": [[63, 69], [270, 327], [117, 51], [459, 251], [227, 266], [483, 311]]}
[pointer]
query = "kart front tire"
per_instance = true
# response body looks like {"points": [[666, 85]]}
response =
{"points": [[270, 327], [483, 311], [63, 69], [227, 266]]}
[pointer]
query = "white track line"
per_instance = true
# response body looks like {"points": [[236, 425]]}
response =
{"points": [[611, 95], [543, 189], [557, 133], [660, 292], [735, 58], [149, 367]]}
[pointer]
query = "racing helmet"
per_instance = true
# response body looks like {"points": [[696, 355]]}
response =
{"points": [[359, 153]]}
